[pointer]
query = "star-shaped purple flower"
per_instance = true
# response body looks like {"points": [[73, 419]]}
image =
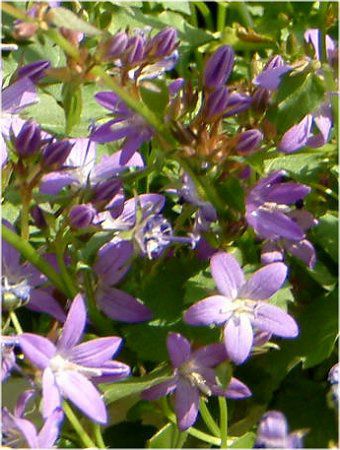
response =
{"points": [[273, 432], [242, 305], [69, 366], [193, 375]]}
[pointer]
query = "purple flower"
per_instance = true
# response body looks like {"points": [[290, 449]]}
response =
{"points": [[34, 71], [162, 44], [150, 230], [249, 141], [81, 216], [113, 262], [28, 141], [68, 366], [273, 432], [242, 305], [21, 284], [271, 77], [192, 376], [21, 433], [215, 104], [312, 36], [268, 207], [127, 125], [115, 46], [333, 379], [218, 67], [7, 355]]}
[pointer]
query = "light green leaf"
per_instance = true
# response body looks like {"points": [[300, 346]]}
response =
{"points": [[326, 235], [168, 437], [47, 113], [62, 17], [245, 441]]}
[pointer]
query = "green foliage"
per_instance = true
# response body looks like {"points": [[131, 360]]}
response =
{"points": [[168, 437], [62, 17]]}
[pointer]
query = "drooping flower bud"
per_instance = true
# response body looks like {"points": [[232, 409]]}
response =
{"points": [[34, 71], [28, 140], [114, 47], [106, 190], [218, 67], [216, 103], [81, 216], [249, 141], [134, 52], [163, 44], [237, 103], [56, 153]]}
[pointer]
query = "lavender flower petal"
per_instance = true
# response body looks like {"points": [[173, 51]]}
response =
{"points": [[186, 404], [83, 394], [41, 301], [52, 183], [51, 398], [265, 282], [37, 349], [216, 309], [160, 390], [74, 325], [50, 431], [271, 78], [113, 262], [274, 320], [238, 338], [227, 274], [179, 349], [210, 355], [303, 250], [18, 96], [297, 136], [96, 352], [236, 389]]}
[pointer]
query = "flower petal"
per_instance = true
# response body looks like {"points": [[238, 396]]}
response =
{"points": [[37, 349], [274, 320], [303, 250], [113, 261], [18, 96], [297, 136], [238, 338], [77, 388], [74, 325], [28, 431], [179, 348], [287, 193], [52, 183], [211, 310], [210, 355], [112, 371], [236, 389], [41, 301], [51, 429], [186, 404], [96, 352], [227, 274], [51, 395], [159, 390], [118, 305], [271, 78], [264, 282]]}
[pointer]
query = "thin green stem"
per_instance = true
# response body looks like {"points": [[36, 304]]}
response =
{"points": [[15, 322], [221, 15], [322, 34], [223, 421], [79, 429], [208, 419], [31, 255], [98, 435], [67, 279], [68, 48], [15, 12], [25, 208]]}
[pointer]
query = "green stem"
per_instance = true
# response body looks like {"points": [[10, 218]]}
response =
{"points": [[221, 15], [31, 255], [208, 419], [223, 421], [205, 11], [322, 34], [243, 11], [15, 12], [15, 322], [98, 435], [68, 48], [85, 438], [24, 220], [68, 281]]}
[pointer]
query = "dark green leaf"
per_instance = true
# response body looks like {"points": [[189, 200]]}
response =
{"points": [[326, 235]]}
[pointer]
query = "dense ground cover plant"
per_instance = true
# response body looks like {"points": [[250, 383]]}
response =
{"points": [[169, 199]]}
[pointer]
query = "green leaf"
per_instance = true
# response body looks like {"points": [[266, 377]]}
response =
{"points": [[168, 437], [182, 7], [326, 235], [282, 297], [155, 95], [245, 441], [197, 287], [62, 17], [298, 95], [48, 114], [134, 385], [72, 101]]}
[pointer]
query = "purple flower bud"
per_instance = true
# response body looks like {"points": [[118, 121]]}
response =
{"points": [[163, 43], [216, 103], [249, 141], [175, 86], [134, 52], [34, 71], [38, 217], [56, 153], [218, 67], [115, 46], [274, 62], [260, 99], [237, 103], [81, 216], [28, 140], [106, 190]]}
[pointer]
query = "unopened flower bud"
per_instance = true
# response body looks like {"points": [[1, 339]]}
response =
{"points": [[56, 153], [106, 190], [274, 62], [175, 86], [237, 103], [24, 30], [38, 217], [260, 99], [114, 47], [249, 141], [216, 103], [163, 44], [81, 216], [134, 52], [34, 71], [74, 37], [28, 140], [218, 67]]}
